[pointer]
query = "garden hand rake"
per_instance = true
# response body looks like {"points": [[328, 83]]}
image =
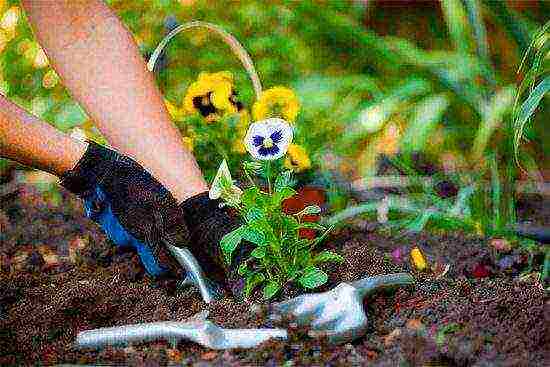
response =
{"points": [[337, 314]]}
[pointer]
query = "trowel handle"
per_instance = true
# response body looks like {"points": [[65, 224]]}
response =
{"points": [[123, 335], [370, 285]]}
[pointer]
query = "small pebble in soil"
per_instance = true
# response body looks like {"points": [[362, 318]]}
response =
{"points": [[481, 271], [209, 356], [398, 255], [500, 244]]}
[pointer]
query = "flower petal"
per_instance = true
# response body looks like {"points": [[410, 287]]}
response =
{"points": [[277, 129], [216, 187], [258, 140], [271, 151], [277, 136]]}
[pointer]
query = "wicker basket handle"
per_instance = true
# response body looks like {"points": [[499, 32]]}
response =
{"points": [[236, 47]]}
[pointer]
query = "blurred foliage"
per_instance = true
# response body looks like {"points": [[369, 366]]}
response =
{"points": [[535, 84], [372, 77]]}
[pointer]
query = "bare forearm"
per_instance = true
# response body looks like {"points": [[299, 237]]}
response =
{"points": [[99, 62], [32, 142]]}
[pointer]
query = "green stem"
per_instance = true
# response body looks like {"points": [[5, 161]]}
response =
{"points": [[268, 175], [247, 174]]}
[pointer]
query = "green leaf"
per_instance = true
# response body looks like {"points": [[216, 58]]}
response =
{"points": [[289, 223], [243, 269], [253, 235], [279, 197], [292, 272], [313, 225], [493, 112], [230, 241], [313, 277], [328, 256], [258, 253], [252, 167], [252, 282], [457, 23], [309, 210], [271, 289], [264, 227], [426, 115], [283, 180], [303, 257], [254, 214], [249, 196], [352, 212], [71, 115], [528, 108], [419, 222]]}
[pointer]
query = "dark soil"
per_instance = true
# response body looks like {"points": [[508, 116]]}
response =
{"points": [[59, 275]]}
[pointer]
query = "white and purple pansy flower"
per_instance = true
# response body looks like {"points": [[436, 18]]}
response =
{"points": [[268, 139]]}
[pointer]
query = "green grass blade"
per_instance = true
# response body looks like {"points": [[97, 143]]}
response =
{"points": [[426, 115], [494, 111], [457, 23], [473, 10], [527, 109]]}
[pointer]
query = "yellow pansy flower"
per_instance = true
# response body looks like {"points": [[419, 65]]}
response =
{"points": [[297, 158], [277, 102], [212, 95]]}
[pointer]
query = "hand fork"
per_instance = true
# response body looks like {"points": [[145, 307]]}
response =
{"points": [[339, 313]]}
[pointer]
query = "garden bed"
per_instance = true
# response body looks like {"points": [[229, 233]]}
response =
{"points": [[59, 276]]}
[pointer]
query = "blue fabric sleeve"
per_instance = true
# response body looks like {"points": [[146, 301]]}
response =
{"points": [[98, 208]]}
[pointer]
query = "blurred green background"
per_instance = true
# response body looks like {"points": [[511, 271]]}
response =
{"points": [[374, 77]]}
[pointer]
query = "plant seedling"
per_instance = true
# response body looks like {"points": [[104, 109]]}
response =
{"points": [[280, 256]]}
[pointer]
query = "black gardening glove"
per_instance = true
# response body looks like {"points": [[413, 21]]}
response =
{"points": [[207, 224], [133, 208]]}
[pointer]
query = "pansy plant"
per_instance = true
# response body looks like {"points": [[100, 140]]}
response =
{"points": [[280, 256]]}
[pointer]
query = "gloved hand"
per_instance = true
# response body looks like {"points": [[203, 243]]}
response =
{"points": [[207, 224], [131, 206]]}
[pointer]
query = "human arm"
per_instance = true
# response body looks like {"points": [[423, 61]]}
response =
{"points": [[99, 63], [30, 141]]}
